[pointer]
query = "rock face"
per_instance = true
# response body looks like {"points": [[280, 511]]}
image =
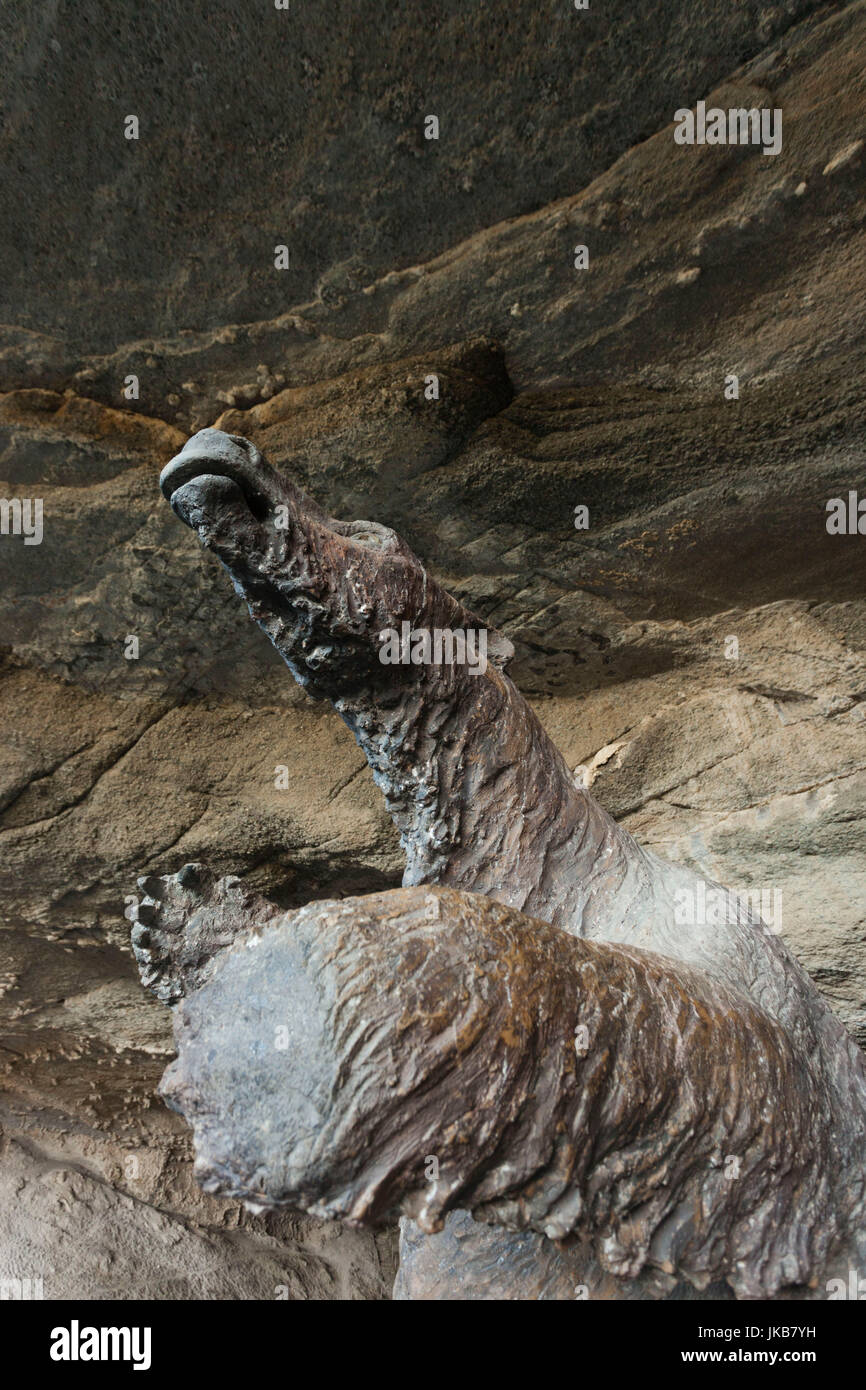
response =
{"points": [[306, 126], [698, 653]]}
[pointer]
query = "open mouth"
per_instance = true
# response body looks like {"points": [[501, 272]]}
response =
{"points": [[211, 455], [214, 472]]}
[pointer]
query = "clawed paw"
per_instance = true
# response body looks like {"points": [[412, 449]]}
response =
{"points": [[180, 922]]}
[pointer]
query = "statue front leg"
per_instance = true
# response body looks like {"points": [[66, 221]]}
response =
{"points": [[424, 1050]]}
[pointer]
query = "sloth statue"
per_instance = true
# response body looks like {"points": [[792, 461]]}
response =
{"points": [[561, 1087]]}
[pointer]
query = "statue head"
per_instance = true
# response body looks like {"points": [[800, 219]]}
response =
{"points": [[325, 591]]}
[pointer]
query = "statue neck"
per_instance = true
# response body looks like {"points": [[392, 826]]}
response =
{"points": [[481, 797]]}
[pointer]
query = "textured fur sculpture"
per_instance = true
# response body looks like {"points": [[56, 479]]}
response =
{"points": [[564, 1090]]}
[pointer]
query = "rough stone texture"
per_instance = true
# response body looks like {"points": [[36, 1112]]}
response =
{"points": [[423, 1022], [427, 1024], [305, 126], [707, 515]]}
